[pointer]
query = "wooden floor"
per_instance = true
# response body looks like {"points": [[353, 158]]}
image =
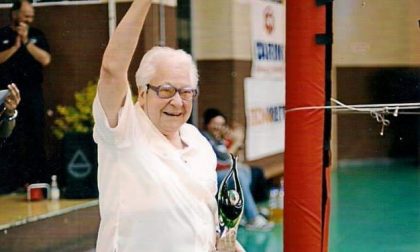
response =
{"points": [[15, 210], [64, 225]]}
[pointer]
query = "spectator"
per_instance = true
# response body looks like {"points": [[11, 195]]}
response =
{"points": [[157, 178], [24, 52], [224, 141], [8, 112]]}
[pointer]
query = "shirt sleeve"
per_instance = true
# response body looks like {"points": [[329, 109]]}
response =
{"points": [[6, 40], [119, 136]]}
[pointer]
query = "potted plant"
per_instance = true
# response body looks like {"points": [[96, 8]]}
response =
{"points": [[73, 126]]}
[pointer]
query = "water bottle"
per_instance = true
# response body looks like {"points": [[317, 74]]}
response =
{"points": [[55, 191], [276, 203]]}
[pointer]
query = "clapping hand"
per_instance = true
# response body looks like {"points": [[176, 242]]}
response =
{"points": [[22, 31]]}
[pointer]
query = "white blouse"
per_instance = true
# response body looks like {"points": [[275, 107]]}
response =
{"points": [[153, 197]]}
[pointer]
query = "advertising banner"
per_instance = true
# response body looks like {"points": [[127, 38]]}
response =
{"points": [[268, 39], [265, 117]]}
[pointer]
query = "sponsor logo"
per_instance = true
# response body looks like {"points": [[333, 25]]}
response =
{"points": [[272, 114], [269, 51], [79, 166], [269, 19]]}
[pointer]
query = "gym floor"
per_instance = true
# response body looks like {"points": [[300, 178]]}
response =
{"points": [[375, 207]]}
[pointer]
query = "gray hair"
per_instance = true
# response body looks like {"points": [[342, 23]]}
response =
{"points": [[151, 59]]}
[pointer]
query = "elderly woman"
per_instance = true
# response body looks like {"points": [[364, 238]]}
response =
{"points": [[156, 174], [9, 113]]}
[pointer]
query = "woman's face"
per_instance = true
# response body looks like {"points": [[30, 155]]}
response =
{"points": [[168, 115], [217, 127]]}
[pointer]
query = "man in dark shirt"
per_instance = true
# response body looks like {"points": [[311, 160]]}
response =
{"points": [[24, 52]]}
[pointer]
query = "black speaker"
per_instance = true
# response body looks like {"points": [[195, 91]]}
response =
{"points": [[80, 166]]}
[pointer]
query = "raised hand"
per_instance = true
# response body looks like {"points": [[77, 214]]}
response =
{"points": [[13, 100], [237, 133]]}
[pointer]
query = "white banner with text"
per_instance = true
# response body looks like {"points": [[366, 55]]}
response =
{"points": [[268, 32], [265, 117]]}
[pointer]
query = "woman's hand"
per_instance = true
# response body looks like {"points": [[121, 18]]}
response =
{"points": [[228, 243], [237, 133], [236, 137]]}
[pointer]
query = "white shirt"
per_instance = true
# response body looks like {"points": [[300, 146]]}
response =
{"points": [[152, 196]]}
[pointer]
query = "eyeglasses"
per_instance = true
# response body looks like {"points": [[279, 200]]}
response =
{"points": [[166, 91]]}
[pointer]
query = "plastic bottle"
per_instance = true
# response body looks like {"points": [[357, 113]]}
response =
{"points": [[55, 191], [276, 203], [281, 197]]}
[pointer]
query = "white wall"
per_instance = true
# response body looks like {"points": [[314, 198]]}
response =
{"points": [[220, 29], [376, 32]]}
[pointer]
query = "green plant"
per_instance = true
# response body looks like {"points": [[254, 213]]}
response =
{"points": [[77, 118]]}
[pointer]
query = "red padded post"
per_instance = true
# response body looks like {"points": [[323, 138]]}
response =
{"points": [[306, 179]]}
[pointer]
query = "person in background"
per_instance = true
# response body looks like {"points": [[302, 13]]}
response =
{"points": [[8, 115], [156, 173], [225, 140], [8, 112], [24, 52]]}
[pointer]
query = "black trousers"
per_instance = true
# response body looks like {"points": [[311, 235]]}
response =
{"points": [[260, 187]]}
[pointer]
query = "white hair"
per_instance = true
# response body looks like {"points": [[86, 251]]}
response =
{"points": [[149, 63]]}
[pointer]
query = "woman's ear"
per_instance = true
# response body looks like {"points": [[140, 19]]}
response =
{"points": [[142, 96]]}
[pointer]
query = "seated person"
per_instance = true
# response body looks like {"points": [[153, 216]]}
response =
{"points": [[8, 111], [225, 141]]}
